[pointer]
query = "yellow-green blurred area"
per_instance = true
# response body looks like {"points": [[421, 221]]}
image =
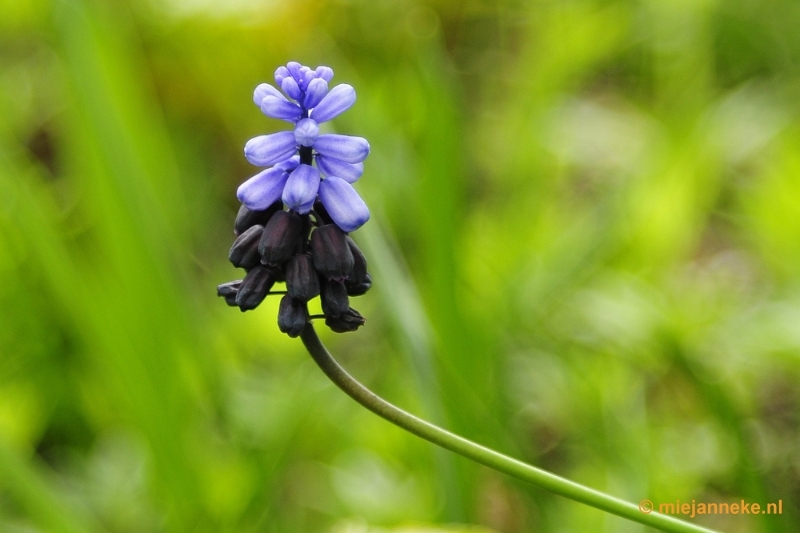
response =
{"points": [[585, 247]]}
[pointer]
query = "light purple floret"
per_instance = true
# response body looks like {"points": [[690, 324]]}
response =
{"points": [[342, 147], [292, 89], [266, 150], [266, 187], [337, 101], [343, 204], [306, 132], [315, 92], [301, 188], [263, 189]]}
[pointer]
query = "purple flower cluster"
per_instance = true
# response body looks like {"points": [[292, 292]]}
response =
{"points": [[306, 102], [295, 217]]}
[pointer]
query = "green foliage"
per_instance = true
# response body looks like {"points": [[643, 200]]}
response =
{"points": [[585, 246]]}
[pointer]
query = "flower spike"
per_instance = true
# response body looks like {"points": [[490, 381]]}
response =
{"points": [[307, 184]]}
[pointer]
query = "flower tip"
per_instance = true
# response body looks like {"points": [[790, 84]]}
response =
{"points": [[356, 221], [240, 194], [263, 90], [291, 88], [259, 93], [351, 320], [280, 74], [316, 90], [326, 73], [292, 316], [244, 195], [337, 101]]}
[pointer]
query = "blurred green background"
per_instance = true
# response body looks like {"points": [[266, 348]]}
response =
{"points": [[585, 244]]}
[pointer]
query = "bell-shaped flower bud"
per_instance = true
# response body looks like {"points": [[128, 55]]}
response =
{"points": [[247, 218], [360, 288], [281, 108], [326, 73], [278, 271], [316, 89], [334, 298], [322, 214], [292, 316], [332, 256], [302, 281], [294, 69], [255, 286], [334, 103], [291, 88], [266, 150], [280, 74], [348, 321], [229, 291], [280, 238], [244, 252], [263, 90], [359, 281], [343, 204]]}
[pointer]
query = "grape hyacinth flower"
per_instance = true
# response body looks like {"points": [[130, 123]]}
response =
{"points": [[296, 215]]}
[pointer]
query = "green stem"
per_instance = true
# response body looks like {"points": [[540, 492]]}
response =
{"points": [[478, 453]]}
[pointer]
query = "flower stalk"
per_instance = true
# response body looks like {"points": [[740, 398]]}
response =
{"points": [[480, 454]]}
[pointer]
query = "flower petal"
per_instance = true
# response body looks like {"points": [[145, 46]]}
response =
{"points": [[306, 132], [316, 90], [344, 147], [266, 150], [280, 74], [289, 164], [301, 188], [263, 189], [305, 208], [291, 88], [294, 69], [330, 166], [281, 108], [343, 204], [326, 73], [337, 101], [263, 90], [306, 75]]}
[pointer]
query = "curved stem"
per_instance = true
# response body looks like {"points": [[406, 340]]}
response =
{"points": [[480, 454]]}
